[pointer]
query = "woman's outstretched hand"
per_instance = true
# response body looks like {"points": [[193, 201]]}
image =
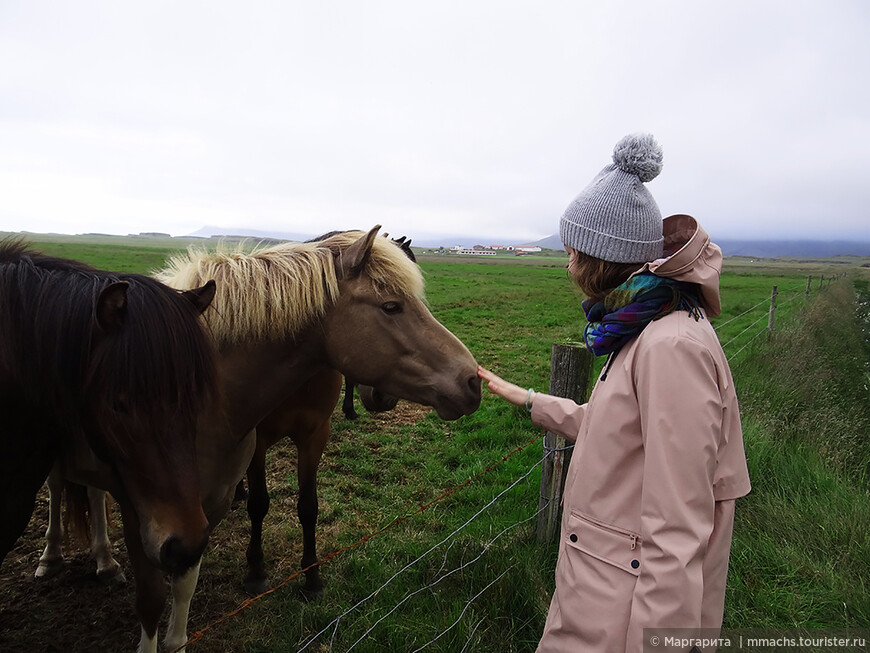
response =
{"points": [[498, 386]]}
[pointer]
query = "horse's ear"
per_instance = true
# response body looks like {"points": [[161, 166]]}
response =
{"points": [[353, 259], [201, 297], [404, 244], [112, 305]]}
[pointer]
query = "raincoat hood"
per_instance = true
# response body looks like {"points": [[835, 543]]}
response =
{"points": [[690, 256]]}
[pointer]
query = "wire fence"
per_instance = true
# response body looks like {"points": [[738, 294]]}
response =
{"points": [[334, 624], [763, 324]]}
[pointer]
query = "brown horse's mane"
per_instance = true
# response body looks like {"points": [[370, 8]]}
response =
{"points": [[275, 291]]}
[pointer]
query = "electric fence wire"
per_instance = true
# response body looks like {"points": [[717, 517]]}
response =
{"points": [[734, 355], [483, 551], [335, 622], [744, 331], [749, 310]]}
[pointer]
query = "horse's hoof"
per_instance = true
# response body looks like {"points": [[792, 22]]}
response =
{"points": [[255, 587], [114, 576], [312, 592], [48, 569]]}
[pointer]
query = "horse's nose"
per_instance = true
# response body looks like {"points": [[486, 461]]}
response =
{"points": [[177, 556], [474, 384]]}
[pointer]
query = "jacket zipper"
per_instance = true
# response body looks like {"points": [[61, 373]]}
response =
{"points": [[608, 364], [631, 535]]}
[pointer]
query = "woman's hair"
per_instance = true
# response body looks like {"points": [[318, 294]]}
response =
{"points": [[596, 277]]}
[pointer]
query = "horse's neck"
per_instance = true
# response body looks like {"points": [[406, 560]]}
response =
{"points": [[258, 377]]}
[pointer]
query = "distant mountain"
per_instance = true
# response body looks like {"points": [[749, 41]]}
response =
{"points": [[793, 248], [550, 242], [767, 248]]}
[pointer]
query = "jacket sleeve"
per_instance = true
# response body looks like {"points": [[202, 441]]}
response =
{"points": [[558, 415], [681, 416]]}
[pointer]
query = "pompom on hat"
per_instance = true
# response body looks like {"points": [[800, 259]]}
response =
{"points": [[615, 218]]}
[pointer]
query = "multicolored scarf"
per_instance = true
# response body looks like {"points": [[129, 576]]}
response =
{"points": [[627, 309]]}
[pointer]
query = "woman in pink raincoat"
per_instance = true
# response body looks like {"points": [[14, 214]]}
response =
{"points": [[658, 460]]}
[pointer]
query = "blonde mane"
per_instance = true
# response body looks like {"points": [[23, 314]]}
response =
{"points": [[274, 292]]}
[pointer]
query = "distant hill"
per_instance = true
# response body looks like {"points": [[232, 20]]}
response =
{"points": [[768, 248], [209, 232], [420, 239], [730, 247]]}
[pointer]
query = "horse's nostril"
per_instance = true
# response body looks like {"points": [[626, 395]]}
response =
{"points": [[176, 557], [474, 384]]}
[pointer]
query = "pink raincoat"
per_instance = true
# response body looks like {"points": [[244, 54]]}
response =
{"points": [[649, 497]]}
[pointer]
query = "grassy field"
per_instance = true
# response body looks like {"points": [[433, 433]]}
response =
{"points": [[467, 573]]}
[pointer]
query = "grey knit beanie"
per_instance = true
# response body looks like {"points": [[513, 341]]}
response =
{"points": [[615, 218]]}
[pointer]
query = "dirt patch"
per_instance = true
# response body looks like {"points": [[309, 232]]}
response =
{"points": [[74, 611]]}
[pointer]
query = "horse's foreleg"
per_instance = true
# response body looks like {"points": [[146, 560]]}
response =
{"points": [[307, 506], [182, 593], [150, 586], [51, 560], [258, 508], [108, 569], [347, 404]]}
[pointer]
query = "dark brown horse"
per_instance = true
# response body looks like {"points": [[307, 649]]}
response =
{"points": [[352, 303], [109, 370], [305, 418]]}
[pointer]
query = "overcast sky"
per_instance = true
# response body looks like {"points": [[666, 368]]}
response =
{"points": [[448, 117]]}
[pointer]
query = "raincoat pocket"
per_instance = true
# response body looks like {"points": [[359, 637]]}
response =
{"points": [[618, 547]]}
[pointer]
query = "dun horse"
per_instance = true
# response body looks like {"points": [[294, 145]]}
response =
{"points": [[284, 314], [112, 371]]}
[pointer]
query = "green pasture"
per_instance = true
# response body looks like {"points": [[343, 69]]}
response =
{"points": [[466, 573]]}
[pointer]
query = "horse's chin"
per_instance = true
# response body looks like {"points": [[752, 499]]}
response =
{"points": [[451, 412]]}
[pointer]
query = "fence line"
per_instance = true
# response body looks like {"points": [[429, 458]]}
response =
{"points": [[774, 302], [462, 614], [408, 597], [734, 355], [719, 326], [398, 520], [744, 331], [336, 621]]}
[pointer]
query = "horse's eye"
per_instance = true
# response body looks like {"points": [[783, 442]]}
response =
{"points": [[391, 308]]}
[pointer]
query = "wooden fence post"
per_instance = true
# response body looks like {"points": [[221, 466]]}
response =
{"points": [[570, 376], [807, 293], [771, 316], [821, 282]]}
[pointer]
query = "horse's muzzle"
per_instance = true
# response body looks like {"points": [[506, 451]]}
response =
{"points": [[177, 557]]}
